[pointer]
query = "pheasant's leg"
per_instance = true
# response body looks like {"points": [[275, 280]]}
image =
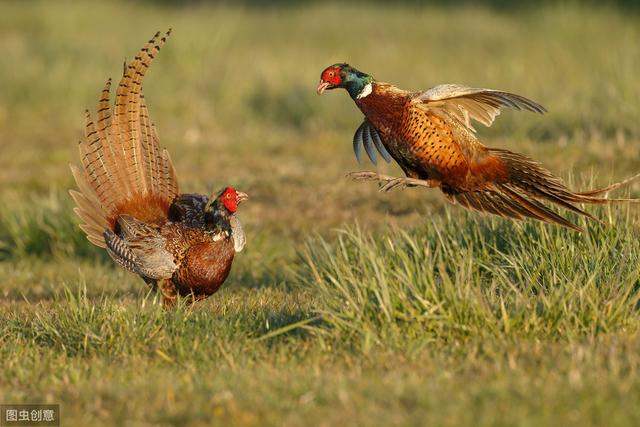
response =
{"points": [[388, 183], [409, 182], [169, 293]]}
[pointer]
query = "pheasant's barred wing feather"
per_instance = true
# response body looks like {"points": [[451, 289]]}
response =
{"points": [[366, 135], [143, 257], [465, 103], [123, 169], [142, 247]]}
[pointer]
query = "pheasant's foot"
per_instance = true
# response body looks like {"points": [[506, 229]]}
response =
{"points": [[169, 294], [388, 183], [404, 182]]}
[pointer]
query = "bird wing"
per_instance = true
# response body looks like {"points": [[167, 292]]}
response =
{"points": [[368, 136], [140, 248], [466, 103]]}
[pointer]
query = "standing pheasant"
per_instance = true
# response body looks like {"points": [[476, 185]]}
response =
{"points": [[129, 200], [429, 134]]}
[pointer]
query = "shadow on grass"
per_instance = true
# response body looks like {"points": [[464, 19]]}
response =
{"points": [[50, 294], [80, 326]]}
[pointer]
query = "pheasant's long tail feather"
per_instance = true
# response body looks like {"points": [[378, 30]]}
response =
{"points": [[611, 187], [123, 169], [520, 186]]}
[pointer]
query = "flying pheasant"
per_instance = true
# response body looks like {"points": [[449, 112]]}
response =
{"points": [[430, 135], [129, 200]]}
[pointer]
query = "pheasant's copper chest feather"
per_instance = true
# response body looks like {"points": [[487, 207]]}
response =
{"points": [[130, 203], [430, 135], [434, 144], [421, 141]]}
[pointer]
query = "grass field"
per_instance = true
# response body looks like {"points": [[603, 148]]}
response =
{"points": [[348, 306]]}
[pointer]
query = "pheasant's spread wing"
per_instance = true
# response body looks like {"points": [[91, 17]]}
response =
{"points": [[140, 248], [465, 103], [367, 135]]}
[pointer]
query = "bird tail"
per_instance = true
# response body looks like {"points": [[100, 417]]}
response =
{"points": [[123, 170], [523, 185]]}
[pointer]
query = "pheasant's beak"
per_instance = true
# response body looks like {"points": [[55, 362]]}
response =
{"points": [[241, 197], [322, 86]]}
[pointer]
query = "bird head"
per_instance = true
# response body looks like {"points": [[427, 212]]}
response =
{"points": [[343, 76], [226, 201]]}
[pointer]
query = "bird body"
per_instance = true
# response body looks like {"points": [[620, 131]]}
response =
{"points": [[130, 202], [430, 136], [417, 138]]}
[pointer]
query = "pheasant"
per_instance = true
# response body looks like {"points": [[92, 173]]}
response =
{"points": [[431, 137], [128, 198]]}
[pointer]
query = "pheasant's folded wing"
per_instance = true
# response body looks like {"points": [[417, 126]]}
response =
{"points": [[465, 103], [140, 249]]}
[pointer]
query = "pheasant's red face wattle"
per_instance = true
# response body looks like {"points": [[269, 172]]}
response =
{"points": [[330, 78], [231, 199], [332, 75]]}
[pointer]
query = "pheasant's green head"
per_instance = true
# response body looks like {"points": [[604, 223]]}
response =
{"points": [[345, 76]]}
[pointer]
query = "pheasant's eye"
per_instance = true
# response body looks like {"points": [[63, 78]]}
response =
{"points": [[331, 73], [228, 196]]}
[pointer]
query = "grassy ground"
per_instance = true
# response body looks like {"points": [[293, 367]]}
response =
{"points": [[348, 306]]}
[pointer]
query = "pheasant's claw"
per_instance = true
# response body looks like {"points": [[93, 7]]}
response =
{"points": [[392, 184], [405, 182]]}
